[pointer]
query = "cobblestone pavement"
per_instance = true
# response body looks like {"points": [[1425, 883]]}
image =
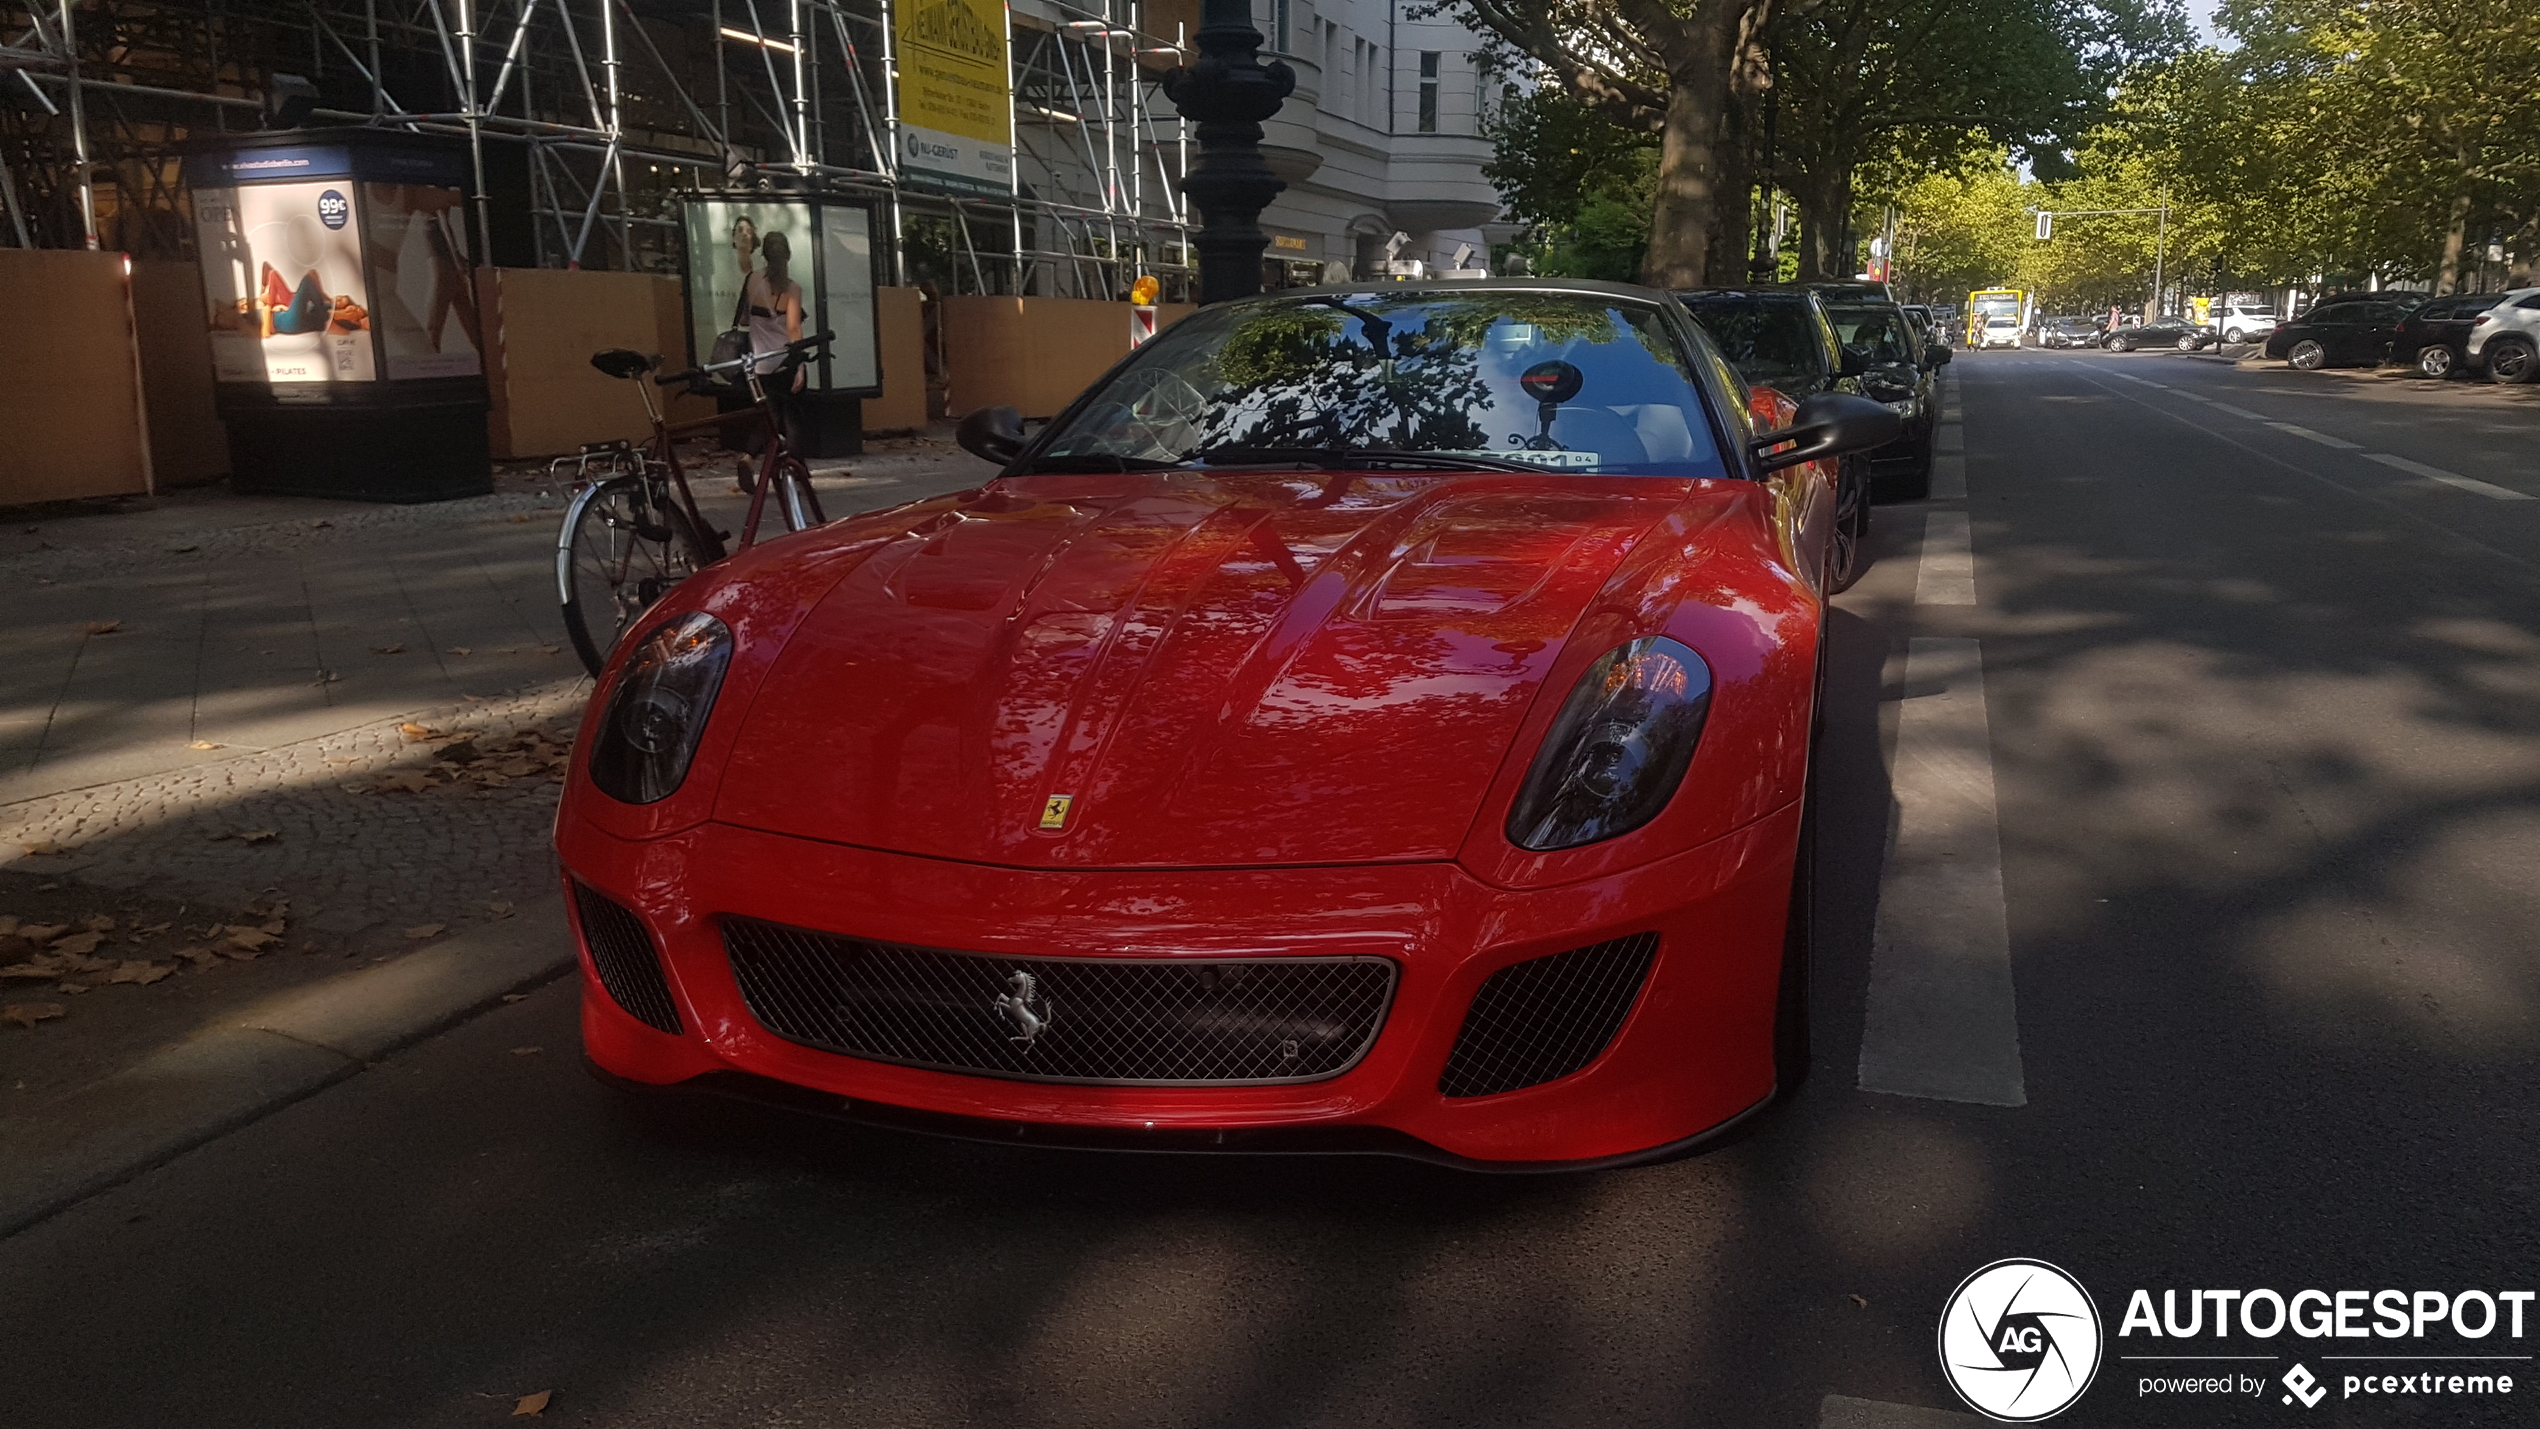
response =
{"points": [[313, 820]]}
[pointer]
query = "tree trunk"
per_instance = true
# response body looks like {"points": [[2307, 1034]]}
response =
{"points": [[1825, 212], [1690, 148], [2455, 232], [1732, 217]]}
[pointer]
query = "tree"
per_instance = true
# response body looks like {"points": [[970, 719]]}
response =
{"points": [[1581, 182], [2354, 137], [1661, 67], [1929, 84]]}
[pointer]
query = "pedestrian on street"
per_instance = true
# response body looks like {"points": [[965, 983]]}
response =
{"points": [[776, 318]]}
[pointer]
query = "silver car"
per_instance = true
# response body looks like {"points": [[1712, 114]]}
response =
{"points": [[2505, 341]]}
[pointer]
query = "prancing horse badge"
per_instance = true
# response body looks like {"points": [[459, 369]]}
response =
{"points": [[1054, 813]]}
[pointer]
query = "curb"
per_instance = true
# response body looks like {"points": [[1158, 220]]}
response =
{"points": [[265, 1058]]}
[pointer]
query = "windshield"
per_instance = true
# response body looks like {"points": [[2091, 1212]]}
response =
{"points": [[1766, 339], [1991, 307], [1560, 381], [1879, 332]]}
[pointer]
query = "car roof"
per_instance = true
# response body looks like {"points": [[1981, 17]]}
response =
{"points": [[1788, 295], [1587, 287]]}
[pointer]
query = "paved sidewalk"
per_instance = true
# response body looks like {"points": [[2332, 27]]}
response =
{"points": [[211, 704]]}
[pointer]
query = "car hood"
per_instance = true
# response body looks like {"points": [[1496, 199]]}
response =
{"points": [[1181, 669]]}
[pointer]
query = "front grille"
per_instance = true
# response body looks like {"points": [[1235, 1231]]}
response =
{"points": [[1547, 1017], [629, 967], [1153, 1021]]}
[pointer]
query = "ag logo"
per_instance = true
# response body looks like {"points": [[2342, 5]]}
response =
{"points": [[2019, 1341], [333, 209]]}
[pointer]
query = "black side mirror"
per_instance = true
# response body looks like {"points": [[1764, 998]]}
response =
{"points": [[1936, 355], [992, 434], [1828, 424], [1855, 362]]}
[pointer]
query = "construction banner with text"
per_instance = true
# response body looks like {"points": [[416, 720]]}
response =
{"points": [[956, 101]]}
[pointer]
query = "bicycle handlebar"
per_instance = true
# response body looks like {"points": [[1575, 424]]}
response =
{"points": [[802, 345]]}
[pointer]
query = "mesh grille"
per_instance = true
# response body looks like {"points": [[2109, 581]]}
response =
{"points": [[1154, 1021], [1546, 1017], [623, 953]]}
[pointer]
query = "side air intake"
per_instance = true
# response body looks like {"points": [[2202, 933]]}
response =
{"points": [[629, 966], [1542, 1019]]}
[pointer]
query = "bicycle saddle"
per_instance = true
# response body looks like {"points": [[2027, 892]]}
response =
{"points": [[625, 362]]}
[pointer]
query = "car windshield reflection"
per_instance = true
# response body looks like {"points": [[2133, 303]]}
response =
{"points": [[1490, 380]]}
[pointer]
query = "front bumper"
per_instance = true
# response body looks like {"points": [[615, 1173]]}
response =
{"points": [[1694, 1054]]}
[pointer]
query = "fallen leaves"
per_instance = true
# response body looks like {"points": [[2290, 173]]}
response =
{"points": [[183, 550], [249, 836], [206, 744], [527, 1051], [460, 650], [137, 971], [388, 649], [246, 940], [45, 848], [500, 910], [531, 1405], [425, 930], [102, 627], [78, 944], [466, 758], [27, 1014]]}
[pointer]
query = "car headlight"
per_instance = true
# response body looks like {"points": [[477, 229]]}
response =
{"points": [[658, 711], [1618, 749]]}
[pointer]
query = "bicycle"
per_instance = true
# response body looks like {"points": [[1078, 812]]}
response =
{"points": [[634, 530]]}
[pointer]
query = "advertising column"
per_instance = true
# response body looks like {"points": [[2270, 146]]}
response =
{"points": [[956, 105], [347, 349]]}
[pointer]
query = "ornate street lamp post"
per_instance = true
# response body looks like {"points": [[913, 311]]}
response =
{"points": [[1228, 93]]}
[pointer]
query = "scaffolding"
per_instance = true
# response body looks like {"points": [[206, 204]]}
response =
{"points": [[585, 119]]}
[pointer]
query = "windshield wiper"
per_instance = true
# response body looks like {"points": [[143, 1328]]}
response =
{"points": [[1069, 463], [1334, 458]]}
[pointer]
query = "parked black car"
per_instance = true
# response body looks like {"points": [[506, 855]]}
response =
{"points": [[1861, 291], [2343, 333], [2068, 332], [2433, 336], [1902, 371], [1777, 337], [2168, 332]]}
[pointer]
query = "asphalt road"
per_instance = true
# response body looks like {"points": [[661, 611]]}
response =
{"points": [[2258, 723]]}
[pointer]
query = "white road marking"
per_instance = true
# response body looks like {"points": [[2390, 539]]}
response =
{"points": [[1948, 483], [2323, 438], [1942, 1021], [1947, 573], [1838, 1412], [2240, 411], [2198, 397], [2449, 478]]}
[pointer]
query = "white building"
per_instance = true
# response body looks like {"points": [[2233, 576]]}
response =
{"points": [[1382, 136]]}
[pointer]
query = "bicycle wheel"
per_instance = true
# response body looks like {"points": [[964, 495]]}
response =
{"points": [[619, 551]]}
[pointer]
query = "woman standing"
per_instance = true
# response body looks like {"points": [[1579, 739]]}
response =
{"points": [[775, 303]]}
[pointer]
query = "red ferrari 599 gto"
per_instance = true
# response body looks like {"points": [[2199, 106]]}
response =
{"points": [[1366, 720]]}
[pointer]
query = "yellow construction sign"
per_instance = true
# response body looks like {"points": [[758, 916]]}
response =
{"points": [[956, 93]]}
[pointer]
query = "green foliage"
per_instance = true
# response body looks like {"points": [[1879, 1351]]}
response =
{"points": [[1583, 182]]}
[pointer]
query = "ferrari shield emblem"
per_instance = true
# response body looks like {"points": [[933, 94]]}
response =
{"points": [[1054, 813]]}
